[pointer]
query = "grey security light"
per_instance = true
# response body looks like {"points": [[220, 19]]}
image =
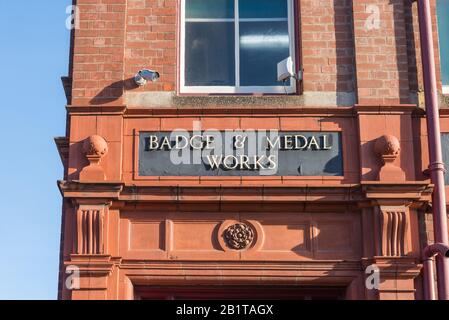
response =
{"points": [[145, 75]]}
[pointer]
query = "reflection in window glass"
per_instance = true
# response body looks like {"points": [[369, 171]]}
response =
{"points": [[209, 9], [263, 9], [445, 149], [210, 54], [235, 45], [262, 46]]}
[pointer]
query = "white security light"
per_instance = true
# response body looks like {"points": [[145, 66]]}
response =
{"points": [[145, 75]]}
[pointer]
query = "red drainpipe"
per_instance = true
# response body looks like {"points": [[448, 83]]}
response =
{"points": [[429, 280], [428, 260], [436, 166]]}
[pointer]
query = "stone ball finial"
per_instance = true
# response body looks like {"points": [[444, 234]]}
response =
{"points": [[95, 145], [387, 145]]}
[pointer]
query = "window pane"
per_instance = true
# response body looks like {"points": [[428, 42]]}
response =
{"points": [[208, 9], [262, 46], [263, 8], [445, 149], [443, 30], [210, 54]]}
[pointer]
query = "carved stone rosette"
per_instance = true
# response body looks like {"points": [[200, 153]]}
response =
{"points": [[239, 236]]}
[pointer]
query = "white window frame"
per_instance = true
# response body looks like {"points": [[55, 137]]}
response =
{"points": [[237, 89], [445, 89]]}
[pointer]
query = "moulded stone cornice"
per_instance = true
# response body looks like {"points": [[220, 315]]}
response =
{"points": [[324, 265], [334, 194], [408, 191], [100, 265], [366, 191], [331, 271], [62, 144], [269, 110], [241, 110], [386, 109], [67, 84], [395, 267], [86, 189], [96, 110]]}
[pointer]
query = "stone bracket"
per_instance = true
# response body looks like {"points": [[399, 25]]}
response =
{"points": [[90, 229], [391, 230], [90, 189], [390, 214], [397, 194]]}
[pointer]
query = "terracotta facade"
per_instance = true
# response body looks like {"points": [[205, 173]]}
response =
{"points": [[128, 234]]}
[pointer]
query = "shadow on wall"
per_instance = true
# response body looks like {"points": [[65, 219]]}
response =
{"points": [[412, 54], [113, 92], [400, 8], [78, 161], [375, 163], [418, 150], [345, 51]]}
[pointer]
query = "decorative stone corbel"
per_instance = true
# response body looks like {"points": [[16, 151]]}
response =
{"points": [[387, 236], [90, 265], [95, 148], [392, 231], [388, 148], [90, 229]]}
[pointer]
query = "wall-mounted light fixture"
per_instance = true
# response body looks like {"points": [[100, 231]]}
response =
{"points": [[145, 75]]}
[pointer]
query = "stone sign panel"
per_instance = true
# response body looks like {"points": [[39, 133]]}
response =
{"points": [[240, 153]]}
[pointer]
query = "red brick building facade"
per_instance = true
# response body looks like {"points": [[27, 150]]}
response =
{"points": [[136, 235]]}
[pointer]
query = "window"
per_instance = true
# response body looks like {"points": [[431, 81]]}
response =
{"points": [[443, 31], [445, 150], [234, 46]]}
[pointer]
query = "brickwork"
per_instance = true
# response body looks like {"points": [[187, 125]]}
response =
{"points": [[327, 45], [151, 41], [337, 53], [98, 58]]}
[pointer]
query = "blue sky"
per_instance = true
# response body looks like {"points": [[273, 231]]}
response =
{"points": [[34, 49]]}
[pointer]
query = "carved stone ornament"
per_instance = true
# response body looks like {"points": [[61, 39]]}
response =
{"points": [[393, 232], [388, 148], [95, 148], [239, 236]]}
